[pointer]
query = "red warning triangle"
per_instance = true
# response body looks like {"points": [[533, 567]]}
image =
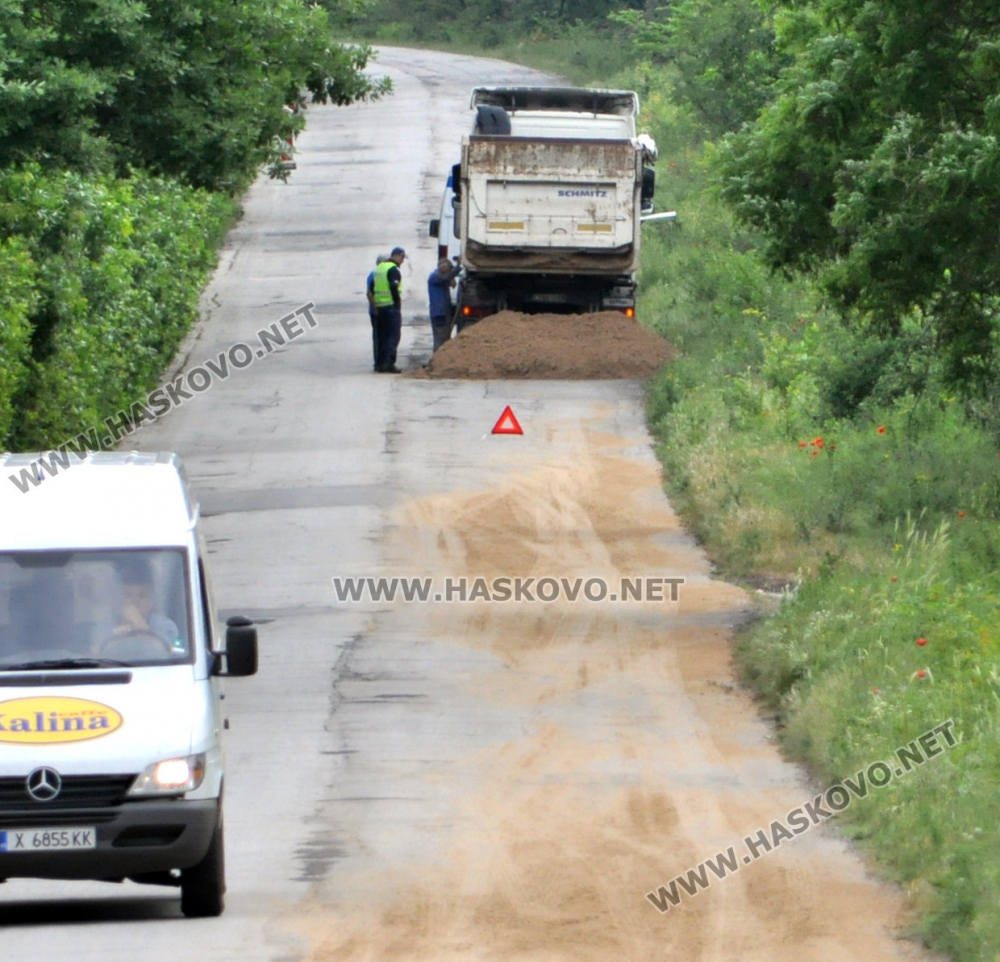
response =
{"points": [[507, 423]]}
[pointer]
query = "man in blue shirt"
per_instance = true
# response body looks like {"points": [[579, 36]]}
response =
{"points": [[442, 310]]}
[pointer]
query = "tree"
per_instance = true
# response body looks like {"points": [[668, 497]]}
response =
{"points": [[193, 89], [877, 165], [723, 53], [48, 94]]}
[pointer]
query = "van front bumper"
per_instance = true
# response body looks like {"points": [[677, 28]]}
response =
{"points": [[134, 839]]}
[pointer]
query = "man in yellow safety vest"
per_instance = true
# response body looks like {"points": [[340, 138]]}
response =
{"points": [[386, 294]]}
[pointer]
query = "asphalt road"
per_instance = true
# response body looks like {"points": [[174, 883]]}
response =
{"points": [[453, 780], [295, 463]]}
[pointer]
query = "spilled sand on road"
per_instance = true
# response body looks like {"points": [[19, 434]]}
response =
{"points": [[639, 758], [551, 346]]}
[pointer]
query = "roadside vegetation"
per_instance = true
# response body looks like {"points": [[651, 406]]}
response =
{"points": [[127, 132], [833, 424]]}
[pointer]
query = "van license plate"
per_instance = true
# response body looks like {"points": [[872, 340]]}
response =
{"points": [[47, 840]]}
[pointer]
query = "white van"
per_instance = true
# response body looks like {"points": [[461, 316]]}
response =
{"points": [[111, 722]]}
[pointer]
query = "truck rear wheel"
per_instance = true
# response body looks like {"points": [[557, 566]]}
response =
{"points": [[203, 886]]}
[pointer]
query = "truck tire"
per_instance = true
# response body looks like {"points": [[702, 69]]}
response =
{"points": [[203, 886]]}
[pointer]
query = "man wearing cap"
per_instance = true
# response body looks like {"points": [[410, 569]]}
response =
{"points": [[387, 291]]}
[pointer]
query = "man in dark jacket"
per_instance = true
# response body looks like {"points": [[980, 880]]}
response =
{"points": [[442, 310]]}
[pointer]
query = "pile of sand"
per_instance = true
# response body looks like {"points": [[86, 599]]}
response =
{"points": [[558, 346]]}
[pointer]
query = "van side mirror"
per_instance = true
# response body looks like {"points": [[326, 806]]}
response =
{"points": [[456, 181], [241, 647], [435, 228]]}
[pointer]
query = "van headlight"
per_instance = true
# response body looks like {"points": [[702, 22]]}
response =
{"points": [[172, 776]]}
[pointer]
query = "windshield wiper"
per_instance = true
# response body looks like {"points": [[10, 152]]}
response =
{"points": [[65, 664]]}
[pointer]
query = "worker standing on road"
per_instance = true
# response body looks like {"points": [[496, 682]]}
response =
{"points": [[370, 294], [442, 310], [387, 292]]}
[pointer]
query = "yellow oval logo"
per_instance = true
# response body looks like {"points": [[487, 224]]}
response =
{"points": [[51, 721]]}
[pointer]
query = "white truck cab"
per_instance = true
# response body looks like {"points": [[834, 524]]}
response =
{"points": [[443, 226], [111, 720]]}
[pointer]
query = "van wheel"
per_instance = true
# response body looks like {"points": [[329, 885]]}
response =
{"points": [[203, 886]]}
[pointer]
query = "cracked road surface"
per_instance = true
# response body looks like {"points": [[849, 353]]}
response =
{"points": [[464, 780]]}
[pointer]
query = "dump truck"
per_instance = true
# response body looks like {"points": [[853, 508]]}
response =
{"points": [[548, 199]]}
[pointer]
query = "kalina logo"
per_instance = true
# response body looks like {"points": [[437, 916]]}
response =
{"points": [[49, 721]]}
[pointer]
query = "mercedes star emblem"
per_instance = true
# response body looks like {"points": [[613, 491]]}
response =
{"points": [[44, 784]]}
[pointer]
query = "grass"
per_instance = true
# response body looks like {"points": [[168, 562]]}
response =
{"points": [[864, 657]]}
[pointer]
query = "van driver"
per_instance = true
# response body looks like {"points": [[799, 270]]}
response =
{"points": [[136, 615]]}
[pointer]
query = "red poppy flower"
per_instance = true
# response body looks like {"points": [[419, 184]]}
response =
{"points": [[818, 442], [802, 444], [961, 514], [922, 673], [921, 642], [894, 579], [874, 691], [881, 429]]}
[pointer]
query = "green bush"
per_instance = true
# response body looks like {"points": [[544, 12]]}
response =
{"points": [[18, 297], [116, 267], [190, 90]]}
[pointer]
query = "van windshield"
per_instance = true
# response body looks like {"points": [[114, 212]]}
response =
{"points": [[85, 609]]}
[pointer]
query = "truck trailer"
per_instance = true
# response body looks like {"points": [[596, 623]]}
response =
{"points": [[548, 199]]}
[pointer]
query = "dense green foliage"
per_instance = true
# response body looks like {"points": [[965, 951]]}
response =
{"points": [[877, 165], [563, 32], [111, 271], [722, 51], [124, 128], [483, 24], [18, 297], [192, 90]]}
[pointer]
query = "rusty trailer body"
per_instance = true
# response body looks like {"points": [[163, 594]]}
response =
{"points": [[543, 205], [548, 199]]}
